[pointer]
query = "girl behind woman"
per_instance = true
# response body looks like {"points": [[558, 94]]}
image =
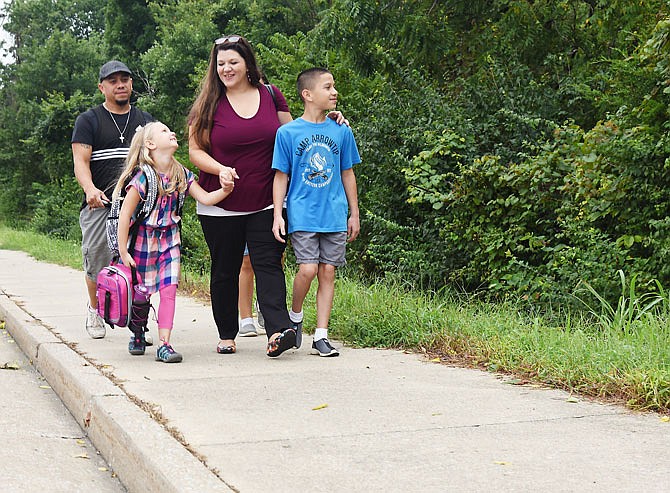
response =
{"points": [[156, 253]]}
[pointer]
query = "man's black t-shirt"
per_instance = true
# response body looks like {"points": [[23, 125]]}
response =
{"points": [[96, 128]]}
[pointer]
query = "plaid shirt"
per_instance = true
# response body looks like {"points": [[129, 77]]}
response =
{"points": [[157, 250]]}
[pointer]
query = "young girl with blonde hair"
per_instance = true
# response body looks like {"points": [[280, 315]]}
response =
{"points": [[156, 253]]}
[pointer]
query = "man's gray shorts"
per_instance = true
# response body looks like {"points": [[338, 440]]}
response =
{"points": [[94, 249], [319, 248]]}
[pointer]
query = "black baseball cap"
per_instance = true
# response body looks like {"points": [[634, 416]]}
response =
{"points": [[112, 67]]}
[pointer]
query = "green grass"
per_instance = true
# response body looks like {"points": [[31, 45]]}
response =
{"points": [[573, 351], [68, 254], [577, 352], [55, 251]]}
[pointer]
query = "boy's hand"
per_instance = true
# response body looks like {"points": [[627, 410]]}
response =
{"points": [[353, 228], [279, 229], [227, 179], [338, 117]]}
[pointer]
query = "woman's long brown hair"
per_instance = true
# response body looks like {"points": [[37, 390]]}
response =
{"points": [[211, 89]]}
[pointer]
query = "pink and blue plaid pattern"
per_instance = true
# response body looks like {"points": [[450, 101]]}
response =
{"points": [[158, 256], [165, 212], [157, 249]]}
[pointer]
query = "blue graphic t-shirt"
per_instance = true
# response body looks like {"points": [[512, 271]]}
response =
{"points": [[314, 156]]}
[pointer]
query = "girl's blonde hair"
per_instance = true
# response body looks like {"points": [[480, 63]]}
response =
{"points": [[139, 154]]}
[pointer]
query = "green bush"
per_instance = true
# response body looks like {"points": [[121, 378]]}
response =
{"points": [[512, 148], [56, 209]]}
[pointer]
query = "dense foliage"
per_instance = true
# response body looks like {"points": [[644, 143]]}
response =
{"points": [[510, 147]]}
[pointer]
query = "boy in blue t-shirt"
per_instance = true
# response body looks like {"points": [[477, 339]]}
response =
{"points": [[318, 156]]}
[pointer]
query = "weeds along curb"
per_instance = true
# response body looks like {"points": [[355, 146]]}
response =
{"points": [[144, 456]]}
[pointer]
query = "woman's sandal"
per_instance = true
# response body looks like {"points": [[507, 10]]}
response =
{"points": [[285, 340], [231, 349]]}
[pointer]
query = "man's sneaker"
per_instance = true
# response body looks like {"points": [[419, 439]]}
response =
{"points": [[148, 340], [323, 348], [137, 344], [261, 320], [166, 354], [297, 326], [247, 329], [95, 325]]}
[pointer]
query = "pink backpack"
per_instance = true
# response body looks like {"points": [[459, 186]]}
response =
{"points": [[115, 294]]}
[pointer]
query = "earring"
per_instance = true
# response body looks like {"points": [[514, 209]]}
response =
{"points": [[248, 77]]}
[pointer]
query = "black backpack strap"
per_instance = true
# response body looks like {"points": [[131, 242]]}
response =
{"points": [[272, 93], [151, 197], [108, 303], [144, 209], [132, 235], [182, 196], [180, 203]]}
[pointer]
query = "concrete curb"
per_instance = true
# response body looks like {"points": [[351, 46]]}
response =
{"points": [[144, 455]]}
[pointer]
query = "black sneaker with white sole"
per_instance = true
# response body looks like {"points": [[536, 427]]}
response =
{"points": [[323, 348], [297, 326]]}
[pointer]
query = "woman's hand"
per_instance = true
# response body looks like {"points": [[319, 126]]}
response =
{"points": [[227, 178], [338, 117]]}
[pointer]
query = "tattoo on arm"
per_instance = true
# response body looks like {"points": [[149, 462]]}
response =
{"points": [[85, 146]]}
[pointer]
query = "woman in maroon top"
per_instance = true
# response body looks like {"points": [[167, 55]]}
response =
{"points": [[233, 124]]}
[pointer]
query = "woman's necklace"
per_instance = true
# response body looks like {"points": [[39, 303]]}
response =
{"points": [[121, 132]]}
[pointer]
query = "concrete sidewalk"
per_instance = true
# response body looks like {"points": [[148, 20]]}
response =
{"points": [[370, 420], [43, 448]]}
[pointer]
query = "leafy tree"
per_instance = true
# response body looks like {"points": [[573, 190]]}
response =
{"points": [[509, 146], [175, 62], [33, 22], [411, 33], [129, 28], [56, 50], [260, 19]]}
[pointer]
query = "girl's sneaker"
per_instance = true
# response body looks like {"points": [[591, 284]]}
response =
{"points": [[137, 344], [166, 354], [247, 330], [261, 320]]}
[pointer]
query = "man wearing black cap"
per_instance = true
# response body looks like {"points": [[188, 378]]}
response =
{"points": [[100, 142]]}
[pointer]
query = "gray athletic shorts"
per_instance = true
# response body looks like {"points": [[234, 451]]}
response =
{"points": [[319, 248], [94, 249]]}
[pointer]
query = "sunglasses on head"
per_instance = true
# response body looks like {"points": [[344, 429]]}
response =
{"points": [[228, 39]]}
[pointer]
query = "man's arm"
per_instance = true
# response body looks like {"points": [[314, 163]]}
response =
{"points": [[351, 190], [81, 154]]}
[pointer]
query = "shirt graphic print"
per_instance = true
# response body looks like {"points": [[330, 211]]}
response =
{"points": [[314, 155]]}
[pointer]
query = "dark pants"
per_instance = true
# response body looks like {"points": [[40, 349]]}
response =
{"points": [[226, 237]]}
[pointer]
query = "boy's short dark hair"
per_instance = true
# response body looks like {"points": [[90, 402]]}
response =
{"points": [[307, 78]]}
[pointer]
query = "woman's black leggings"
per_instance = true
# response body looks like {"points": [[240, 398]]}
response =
{"points": [[226, 237]]}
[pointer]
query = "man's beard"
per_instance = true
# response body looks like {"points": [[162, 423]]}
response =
{"points": [[122, 102]]}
